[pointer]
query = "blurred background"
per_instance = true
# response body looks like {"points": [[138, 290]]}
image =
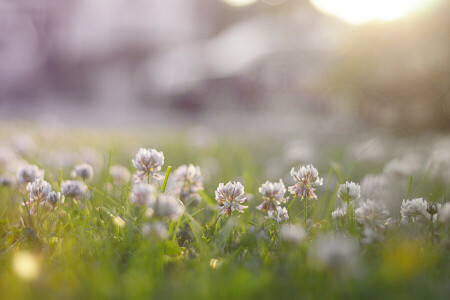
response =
{"points": [[232, 65]]}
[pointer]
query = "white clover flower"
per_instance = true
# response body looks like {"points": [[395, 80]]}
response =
{"points": [[374, 186], [403, 168], [143, 194], [349, 191], [292, 233], [372, 235], [279, 215], [373, 214], [73, 188], [186, 182], [339, 213], [335, 251], [83, 171], [119, 174], [53, 198], [29, 173], [39, 190], [148, 162], [439, 162], [155, 230], [230, 197], [168, 206], [307, 178], [272, 195], [444, 213], [414, 210]]}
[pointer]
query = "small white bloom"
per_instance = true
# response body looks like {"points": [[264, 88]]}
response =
{"points": [[339, 213], [349, 191], [444, 213], [335, 251], [373, 214], [403, 168], [148, 162], [280, 215], [272, 195], [374, 186], [119, 174], [143, 194], [155, 230], [73, 188], [83, 171], [307, 178], [230, 197], [186, 182], [53, 198], [29, 173], [292, 233], [414, 210], [39, 190], [169, 206]]}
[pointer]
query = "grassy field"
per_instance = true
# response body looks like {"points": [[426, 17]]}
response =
{"points": [[98, 244]]}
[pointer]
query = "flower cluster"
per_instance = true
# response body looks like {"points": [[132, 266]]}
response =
{"points": [[148, 162], [186, 184], [273, 195], [230, 197], [307, 179], [349, 191]]}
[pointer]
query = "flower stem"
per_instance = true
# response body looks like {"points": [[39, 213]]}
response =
{"points": [[169, 168], [306, 211]]}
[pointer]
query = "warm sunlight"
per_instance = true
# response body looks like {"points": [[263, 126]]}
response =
{"points": [[363, 11], [239, 2]]}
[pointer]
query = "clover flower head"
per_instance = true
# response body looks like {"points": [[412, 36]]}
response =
{"points": [[279, 215], [83, 171], [230, 197], [29, 173], [335, 251], [73, 188], [414, 210], [338, 213], [155, 230], [39, 190], [142, 194], [272, 195], [168, 206], [444, 213], [307, 178], [374, 186], [148, 162], [292, 233], [53, 198], [373, 214], [349, 191], [119, 174], [186, 183]]}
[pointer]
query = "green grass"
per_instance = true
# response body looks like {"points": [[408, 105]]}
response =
{"points": [[84, 254]]}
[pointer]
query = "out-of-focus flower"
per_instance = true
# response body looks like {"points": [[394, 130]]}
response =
{"points": [[403, 168], [372, 235], [23, 144], [7, 180], [279, 215], [92, 157], [292, 233], [148, 162], [53, 198], [372, 214], [230, 197], [143, 194], [307, 178], [155, 230], [338, 213], [119, 174], [370, 151], [26, 265], [444, 213], [272, 195], [439, 162], [73, 188], [335, 251], [29, 173], [7, 159], [349, 191], [169, 207], [83, 171], [186, 182], [374, 186], [39, 190], [414, 210]]}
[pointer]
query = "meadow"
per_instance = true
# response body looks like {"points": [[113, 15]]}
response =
{"points": [[139, 215]]}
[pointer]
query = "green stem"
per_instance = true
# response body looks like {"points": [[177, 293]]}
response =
{"points": [[169, 168], [306, 211]]}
